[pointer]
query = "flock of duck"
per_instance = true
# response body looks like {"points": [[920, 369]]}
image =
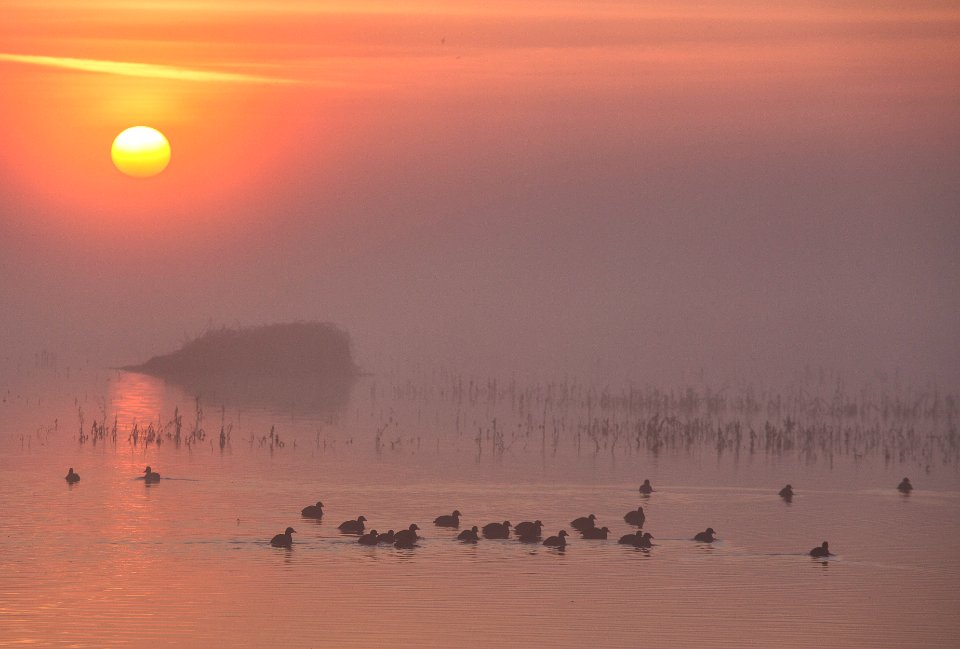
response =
{"points": [[525, 532]]}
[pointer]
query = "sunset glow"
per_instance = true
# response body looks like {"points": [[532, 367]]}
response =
{"points": [[141, 151]]}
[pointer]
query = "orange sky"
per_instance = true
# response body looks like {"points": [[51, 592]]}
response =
{"points": [[214, 75], [323, 150]]}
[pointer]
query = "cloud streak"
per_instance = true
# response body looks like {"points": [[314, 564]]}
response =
{"points": [[142, 70]]}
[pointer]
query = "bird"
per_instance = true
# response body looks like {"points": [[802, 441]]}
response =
{"points": [[471, 535], [352, 527], [707, 536], [584, 522], [630, 539], [787, 493], [406, 538], [497, 530], [313, 511], [644, 541], [905, 486], [558, 541], [370, 538], [149, 475], [528, 529], [387, 538], [599, 533], [72, 477], [646, 488], [453, 520], [821, 551], [635, 518], [284, 540]]}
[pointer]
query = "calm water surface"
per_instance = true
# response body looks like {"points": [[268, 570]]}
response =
{"points": [[186, 562]]}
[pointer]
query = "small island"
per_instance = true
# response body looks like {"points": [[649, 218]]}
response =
{"points": [[307, 364]]}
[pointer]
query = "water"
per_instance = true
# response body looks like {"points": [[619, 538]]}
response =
{"points": [[187, 562]]}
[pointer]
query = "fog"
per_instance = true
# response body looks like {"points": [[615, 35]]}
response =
{"points": [[746, 222]]}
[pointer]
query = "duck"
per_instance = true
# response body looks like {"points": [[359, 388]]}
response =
{"points": [[149, 475], [370, 538], [284, 540], [558, 541], [821, 551], [387, 538], [630, 539], [905, 487], [707, 536], [526, 528], [635, 518], [787, 493], [406, 538], [352, 527], [645, 540], [72, 477], [497, 530], [598, 533], [646, 488], [584, 522], [472, 535], [453, 520], [313, 511]]}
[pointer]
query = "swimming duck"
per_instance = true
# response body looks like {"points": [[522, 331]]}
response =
{"points": [[352, 527], [526, 528], [584, 522], [646, 488], [558, 541], [787, 493], [599, 533], [635, 518], [497, 530], [370, 538], [313, 511], [630, 539], [387, 538], [471, 535], [150, 476], [905, 486], [72, 477], [707, 536], [644, 541], [284, 540], [453, 520], [406, 538], [821, 552]]}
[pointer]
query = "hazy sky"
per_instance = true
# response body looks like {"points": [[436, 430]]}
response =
{"points": [[616, 190]]}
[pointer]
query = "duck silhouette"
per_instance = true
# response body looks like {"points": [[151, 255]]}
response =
{"points": [[72, 477], [497, 530], [313, 511], [558, 541], [635, 518], [821, 551], [905, 487], [370, 538], [150, 476], [528, 529], [352, 527], [584, 522], [472, 535], [597, 533], [646, 488], [707, 536], [787, 493], [284, 540], [453, 520], [645, 540], [407, 538], [387, 538]]}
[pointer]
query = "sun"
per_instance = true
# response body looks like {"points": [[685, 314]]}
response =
{"points": [[141, 152]]}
